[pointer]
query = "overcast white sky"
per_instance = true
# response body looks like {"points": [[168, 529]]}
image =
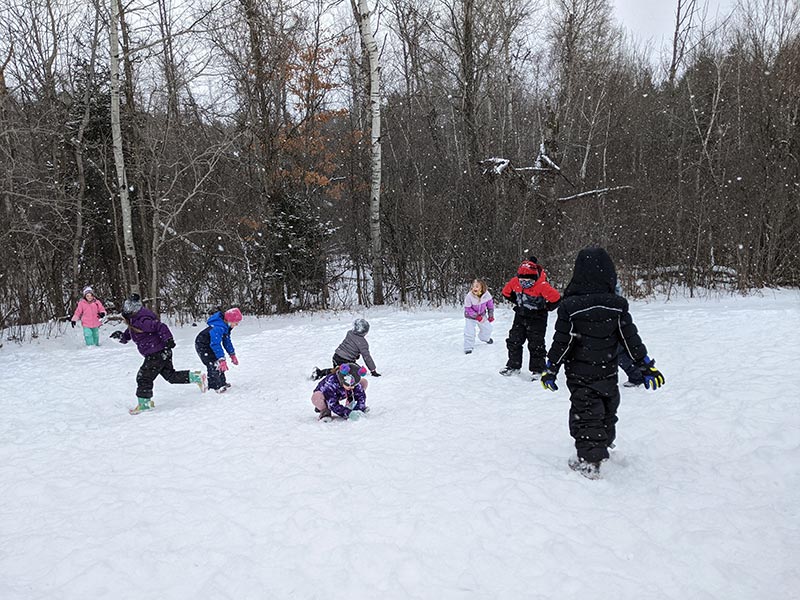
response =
{"points": [[655, 19]]}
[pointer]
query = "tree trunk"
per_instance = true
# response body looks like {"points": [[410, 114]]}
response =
{"points": [[131, 267], [362, 15]]}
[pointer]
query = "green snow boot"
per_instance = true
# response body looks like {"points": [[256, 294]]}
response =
{"points": [[200, 379], [144, 404]]}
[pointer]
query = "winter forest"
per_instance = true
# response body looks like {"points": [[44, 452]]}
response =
{"points": [[299, 154]]}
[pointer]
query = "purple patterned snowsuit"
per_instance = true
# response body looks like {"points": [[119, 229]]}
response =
{"points": [[330, 394]]}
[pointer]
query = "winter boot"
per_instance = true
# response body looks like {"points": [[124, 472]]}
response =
{"points": [[490, 341], [508, 371], [590, 470], [632, 384], [467, 351], [200, 379], [222, 390], [536, 376], [325, 416], [144, 404]]}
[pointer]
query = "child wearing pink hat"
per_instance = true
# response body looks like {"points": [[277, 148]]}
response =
{"points": [[89, 311], [212, 343]]}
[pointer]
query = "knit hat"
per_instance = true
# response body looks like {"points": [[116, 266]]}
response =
{"points": [[528, 270], [361, 326], [350, 374], [233, 315], [132, 305], [87, 290]]}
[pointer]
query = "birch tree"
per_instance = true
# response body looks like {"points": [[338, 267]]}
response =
{"points": [[130, 262], [363, 16]]}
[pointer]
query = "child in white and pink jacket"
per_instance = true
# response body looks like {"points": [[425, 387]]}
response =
{"points": [[90, 310], [478, 310]]}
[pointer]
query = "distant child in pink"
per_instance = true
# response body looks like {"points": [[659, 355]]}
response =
{"points": [[90, 310], [478, 310]]}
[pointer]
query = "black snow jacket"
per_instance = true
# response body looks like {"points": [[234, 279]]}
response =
{"points": [[592, 321]]}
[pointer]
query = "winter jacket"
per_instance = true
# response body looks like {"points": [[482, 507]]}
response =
{"points": [[478, 307], [592, 320], [216, 336], [354, 346], [150, 334], [337, 398], [89, 312], [534, 301]]}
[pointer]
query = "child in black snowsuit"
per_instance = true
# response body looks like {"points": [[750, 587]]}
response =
{"points": [[592, 321]]}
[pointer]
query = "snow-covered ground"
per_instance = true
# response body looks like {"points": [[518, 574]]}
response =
{"points": [[456, 485]]}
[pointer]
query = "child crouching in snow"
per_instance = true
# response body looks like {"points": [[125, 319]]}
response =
{"points": [[155, 342], [342, 393], [211, 344], [478, 310]]}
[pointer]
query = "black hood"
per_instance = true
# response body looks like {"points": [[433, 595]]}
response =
{"points": [[594, 273]]}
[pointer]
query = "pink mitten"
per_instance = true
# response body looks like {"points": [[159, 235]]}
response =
{"points": [[491, 319], [222, 365], [234, 360], [479, 318]]}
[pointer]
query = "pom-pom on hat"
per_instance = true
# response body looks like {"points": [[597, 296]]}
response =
{"points": [[528, 270], [350, 374], [132, 305], [233, 315], [87, 290]]}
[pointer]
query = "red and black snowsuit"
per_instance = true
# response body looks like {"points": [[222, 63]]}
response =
{"points": [[592, 321], [531, 306]]}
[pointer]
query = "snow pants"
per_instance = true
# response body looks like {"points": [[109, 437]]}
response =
{"points": [[154, 365], [216, 378], [532, 330], [484, 332], [91, 335], [593, 416]]}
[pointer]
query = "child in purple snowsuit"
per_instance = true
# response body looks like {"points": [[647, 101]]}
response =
{"points": [[342, 393], [155, 342]]}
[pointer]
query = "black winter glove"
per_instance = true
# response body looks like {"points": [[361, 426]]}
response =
{"points": [[375, 373], [73, 324], [101, 315], [170, 343]]}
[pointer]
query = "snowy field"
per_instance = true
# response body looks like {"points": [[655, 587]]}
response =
{"points": [[456, 485]]}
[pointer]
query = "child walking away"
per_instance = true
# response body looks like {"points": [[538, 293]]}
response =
{"points": [[532, 297], [592, 320], [90, 310], [478, 310], [155, 342], [353, 346], [342, 393], [212, 343]]}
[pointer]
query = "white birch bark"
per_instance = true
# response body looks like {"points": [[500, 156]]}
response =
{"points": [[363, 18], [131, 267]]}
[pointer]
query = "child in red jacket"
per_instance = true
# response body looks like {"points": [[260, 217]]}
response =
{"points": [[533, 298]]}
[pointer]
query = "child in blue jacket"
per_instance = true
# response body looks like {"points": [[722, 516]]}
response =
{"points": [[212, 343]]}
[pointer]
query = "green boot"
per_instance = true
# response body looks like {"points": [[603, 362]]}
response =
{"points": [[144, 404], [200, 379]]}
